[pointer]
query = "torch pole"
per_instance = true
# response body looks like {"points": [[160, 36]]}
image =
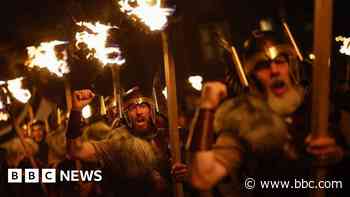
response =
{"points": [[117, 88], [68, 93], [154, 94], [172, 107], [154, 91], [31, 119], [321, 78], [102, 106], [239, 68], [58, 113], [292, 40]]}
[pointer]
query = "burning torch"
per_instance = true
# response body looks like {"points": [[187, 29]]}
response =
{"points": [[95, 39], [154, 15], [45, 56]]}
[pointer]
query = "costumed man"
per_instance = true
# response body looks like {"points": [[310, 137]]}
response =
{"points": [[39, 136], [264, 134], [135, 157]]}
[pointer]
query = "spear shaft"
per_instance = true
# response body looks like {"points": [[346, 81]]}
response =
{"points": [[321, 78]]}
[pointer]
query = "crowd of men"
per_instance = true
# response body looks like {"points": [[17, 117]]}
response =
{"points": [[263, 133]]}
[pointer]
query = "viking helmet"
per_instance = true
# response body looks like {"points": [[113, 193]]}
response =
{"points": [[135, 97], [266, 46]]}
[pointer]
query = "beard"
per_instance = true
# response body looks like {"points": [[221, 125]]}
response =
{"points": [[287, 103], [144, 127]]}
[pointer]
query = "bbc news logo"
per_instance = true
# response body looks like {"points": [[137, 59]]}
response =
{"points": [[49, 175]]}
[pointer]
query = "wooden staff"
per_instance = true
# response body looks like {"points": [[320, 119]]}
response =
{"points": [[239, 68], [31, 119], [154, 94], [172, 108], [321, 76], [68, 93], [292, 40], [242, 78], [103, 110], [154, 91], [236, 60], [58, 113], [117, 88]]}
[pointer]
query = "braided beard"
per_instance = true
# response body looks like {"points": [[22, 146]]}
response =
{"points": [[287, 103]]}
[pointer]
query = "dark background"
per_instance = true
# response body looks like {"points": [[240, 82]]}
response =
{"points": [[26, 23]]}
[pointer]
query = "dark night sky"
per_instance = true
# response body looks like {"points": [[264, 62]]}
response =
{"points": [[30, 22], [27, 22]]}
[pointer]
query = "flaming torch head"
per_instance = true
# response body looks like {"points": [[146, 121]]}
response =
{"points": [[95, 39], [45, 56], [87, 112], [3, 115], [196, 82], [165, 92], [15, 87], [148, 12]]}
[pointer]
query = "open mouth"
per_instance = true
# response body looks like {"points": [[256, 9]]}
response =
{"points": [[278, 84], [140, 120], [279, 87]]}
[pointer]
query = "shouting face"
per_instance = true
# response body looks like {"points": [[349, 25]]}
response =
{"points": [[283, 97], [140, 117], [274, 75]]}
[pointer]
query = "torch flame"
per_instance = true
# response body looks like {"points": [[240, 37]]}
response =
{"points": [[87, 112], [96, 40], [151, 15], [15, 87], [3, 115], [165, 92], [45, 56], [1, 105], [196, 82], [345, 48]]}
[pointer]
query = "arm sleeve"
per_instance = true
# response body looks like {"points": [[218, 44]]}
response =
{"points": [[107, 150], [74, 127], [228, 150]]}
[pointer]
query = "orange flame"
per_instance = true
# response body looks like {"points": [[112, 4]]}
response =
{"points": [[196, 82], [345, 48], [15, 88], [1, 105], [3, 115], [45, 56], [86, 112], [165, 92], [151, 14], [96, 43]]}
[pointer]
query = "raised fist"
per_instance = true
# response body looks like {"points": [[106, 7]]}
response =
{"points": [[212, 94], [81, 98]]}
